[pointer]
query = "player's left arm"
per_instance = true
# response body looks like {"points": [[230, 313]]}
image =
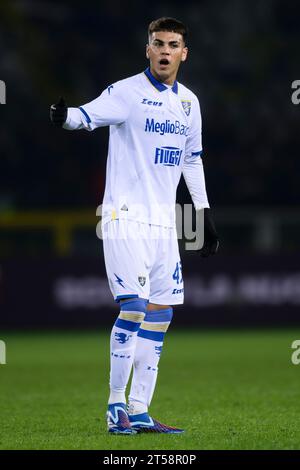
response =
{"points": [[193, 173]]}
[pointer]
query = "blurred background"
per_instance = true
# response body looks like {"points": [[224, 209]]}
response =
{"points": [[243, 59]]}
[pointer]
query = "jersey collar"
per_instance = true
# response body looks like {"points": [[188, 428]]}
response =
{"points": [[158, 85]]}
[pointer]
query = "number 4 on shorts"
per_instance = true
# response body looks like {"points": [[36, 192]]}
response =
{"points": [[178, 273]]}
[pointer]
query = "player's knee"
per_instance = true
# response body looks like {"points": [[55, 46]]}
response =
{"points": [[157, 307], [132, 314], [134, 305], [155, 325], [159, 316]]}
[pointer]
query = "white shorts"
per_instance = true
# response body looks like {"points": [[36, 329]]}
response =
{"points": [[143, 261]]}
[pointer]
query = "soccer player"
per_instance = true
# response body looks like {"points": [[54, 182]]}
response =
{"points": [[155, 136]]}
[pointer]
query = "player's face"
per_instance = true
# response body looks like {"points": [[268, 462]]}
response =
{"points": [[166, 50]]}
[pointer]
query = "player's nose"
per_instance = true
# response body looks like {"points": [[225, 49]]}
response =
{"points": [[165, 50]]}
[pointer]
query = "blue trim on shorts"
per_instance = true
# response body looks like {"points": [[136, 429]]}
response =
{"points": [[126, 296], [152, 335]]}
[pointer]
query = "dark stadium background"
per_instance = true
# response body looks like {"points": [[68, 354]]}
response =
{"points": [[230, 377], [243, 59]]}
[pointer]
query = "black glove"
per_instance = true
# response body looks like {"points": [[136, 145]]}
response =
{"points": [[211, 239], [59, 112]]}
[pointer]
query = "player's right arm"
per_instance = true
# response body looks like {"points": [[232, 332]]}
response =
{"points": [[193, 173], [111, 107]]}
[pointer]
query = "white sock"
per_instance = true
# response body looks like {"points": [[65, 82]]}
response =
{"points": [[144, 373], [122, 348], [146, 358], [116, 397], [136, 407]]}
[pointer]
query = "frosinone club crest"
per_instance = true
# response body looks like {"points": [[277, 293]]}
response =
{"points": [[186, 104], [142, 280]]}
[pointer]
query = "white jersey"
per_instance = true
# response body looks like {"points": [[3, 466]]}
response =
{"points": [[155, 136]]}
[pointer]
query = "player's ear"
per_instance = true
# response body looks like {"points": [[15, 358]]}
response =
{"points": [[184, 54], [147, 49]]}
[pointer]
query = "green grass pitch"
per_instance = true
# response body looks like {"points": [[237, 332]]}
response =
{"points": [[227, 389]]}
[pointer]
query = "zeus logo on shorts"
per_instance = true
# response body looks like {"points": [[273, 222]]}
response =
{"points": [[177, 291], [166, 127], [168, 156]]}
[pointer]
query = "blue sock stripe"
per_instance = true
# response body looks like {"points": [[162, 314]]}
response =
{"points": [[157, 316], [153, 335], [131, 305], [127, 325]]}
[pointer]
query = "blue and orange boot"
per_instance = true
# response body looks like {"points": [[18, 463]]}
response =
{"points": [[144, 423], [117, 419]]}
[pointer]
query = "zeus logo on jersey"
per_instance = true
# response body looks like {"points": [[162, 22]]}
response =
{"points": [[151, 103], [168, 156], [166, 127]]}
